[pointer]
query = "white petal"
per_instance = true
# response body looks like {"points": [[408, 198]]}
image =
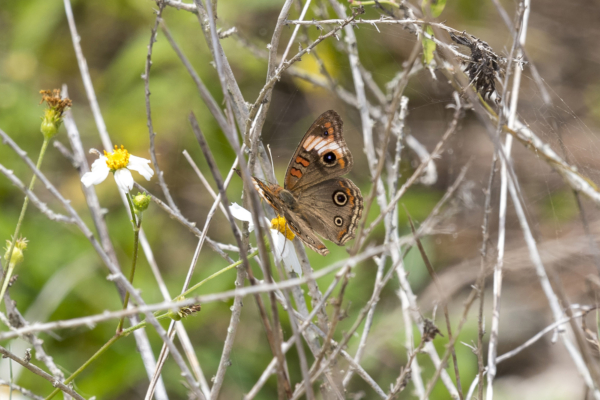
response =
{"points": [[285, 252], [291, 261], [242, 214], [124, 179], [281, 248], [98, 174], [140, 165]]}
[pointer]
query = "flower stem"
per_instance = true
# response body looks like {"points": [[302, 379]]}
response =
{"points": [[11, 265], [235, 264], [137, 222], [123, 333]]}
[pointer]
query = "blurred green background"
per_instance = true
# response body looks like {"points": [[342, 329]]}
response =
{"points": [[62, 277]]}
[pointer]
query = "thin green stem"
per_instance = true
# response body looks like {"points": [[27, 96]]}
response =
{"points": [[131, 210], [123, 333], [86, 364], [137, 222], [11, 265], [202, 282]]}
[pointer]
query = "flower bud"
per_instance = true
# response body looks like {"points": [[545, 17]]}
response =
{"points": [[53, 116], [50, 124], [17, 253], [141, 202], [174, 315]]}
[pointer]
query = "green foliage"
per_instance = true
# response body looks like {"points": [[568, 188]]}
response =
{"points": [[434, 9], [428, 46]]}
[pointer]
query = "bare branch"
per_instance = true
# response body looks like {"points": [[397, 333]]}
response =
{"points": [[146, 77], [34, 199], [42, 373]]}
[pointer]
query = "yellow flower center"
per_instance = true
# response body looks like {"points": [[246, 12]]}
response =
{"points": [[117, 159], [280, 224]]}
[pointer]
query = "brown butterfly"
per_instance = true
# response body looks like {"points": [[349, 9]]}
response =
{"points": [[314, 199]]}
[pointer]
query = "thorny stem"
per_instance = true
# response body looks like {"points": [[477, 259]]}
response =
{"points": [[481, 279], [405, 373], [438, 285], [137, 223], [11, 265]]}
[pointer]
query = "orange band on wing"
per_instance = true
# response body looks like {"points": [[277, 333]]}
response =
{"points": [[342, 162], [327, 124], [349, 193], [342, 233], [296, 172], [303, 161]]}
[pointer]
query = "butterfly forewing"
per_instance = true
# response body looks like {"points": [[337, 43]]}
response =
{"points": [[270, 193], [322, 154]]}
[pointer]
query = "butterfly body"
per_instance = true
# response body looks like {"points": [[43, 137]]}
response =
{"points": [[314, 198]]}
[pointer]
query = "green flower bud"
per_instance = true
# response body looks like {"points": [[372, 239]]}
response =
{"points": [[53, 116], [141, 202], [17, 253], [50, 124], [174, 315]]}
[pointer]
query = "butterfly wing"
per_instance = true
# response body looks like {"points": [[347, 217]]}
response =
{"points": [[322, 154], [304, 232], [270, 193], [332, 209]]}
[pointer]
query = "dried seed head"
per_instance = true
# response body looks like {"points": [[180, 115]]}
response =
{"points": [[185, 311], [483, 65], [53, 115], [430, 330]]}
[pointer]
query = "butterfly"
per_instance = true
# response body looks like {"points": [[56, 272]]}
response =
{"points": [[314, 199]]}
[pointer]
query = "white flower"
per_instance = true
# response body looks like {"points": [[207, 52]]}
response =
{"points": [[284, 249], [120, 162], [285, 252], [242, 214]]}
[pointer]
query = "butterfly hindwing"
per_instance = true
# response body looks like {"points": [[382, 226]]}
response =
{"points": [[332, 209], [304, 232]]}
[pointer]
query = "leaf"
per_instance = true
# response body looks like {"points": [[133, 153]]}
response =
{"points": [[434, 6], [428, 46]]}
